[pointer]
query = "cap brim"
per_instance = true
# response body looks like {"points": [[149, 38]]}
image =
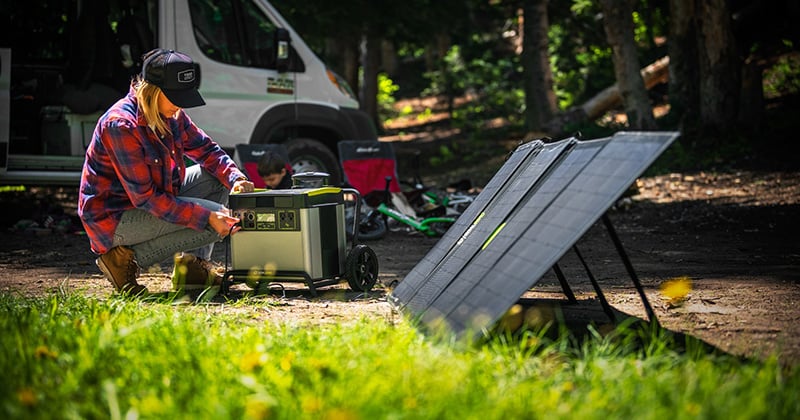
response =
{"points": [[184, 98]]}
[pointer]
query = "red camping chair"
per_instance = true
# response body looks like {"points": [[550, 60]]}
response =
{"points": [[366, 165], [370, 167]]}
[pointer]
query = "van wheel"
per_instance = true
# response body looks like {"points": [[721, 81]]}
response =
{"points": [[309, 155]]}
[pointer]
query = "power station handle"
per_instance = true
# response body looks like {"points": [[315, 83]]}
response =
{"points": [[387, 198], [357, 214]]}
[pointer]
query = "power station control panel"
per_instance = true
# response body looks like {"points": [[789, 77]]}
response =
{"points": [[268, 219]]}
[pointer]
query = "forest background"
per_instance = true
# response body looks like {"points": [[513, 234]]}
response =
{"points": [[724, 73]]}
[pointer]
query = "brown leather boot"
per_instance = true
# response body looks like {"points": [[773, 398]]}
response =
{"points": [[121, 269], [191, 272]]}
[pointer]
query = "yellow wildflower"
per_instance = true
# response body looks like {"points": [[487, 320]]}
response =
{"points": [[676, 290]]}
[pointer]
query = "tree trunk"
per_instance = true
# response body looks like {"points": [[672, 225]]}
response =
{"points": [[618, 24], [540, 98], [352, 63], [371, 65], [719, 66], [389, 60], [751, 98], [684, 79], [343, 58], [436, 51]]}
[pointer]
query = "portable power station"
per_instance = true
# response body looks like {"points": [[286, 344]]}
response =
{"points": [[296, 234]]}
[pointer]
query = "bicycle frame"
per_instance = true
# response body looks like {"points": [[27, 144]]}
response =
{"points": [[425, 225]]}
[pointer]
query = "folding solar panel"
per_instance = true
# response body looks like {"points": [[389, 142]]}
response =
{"points": [[531, 213]]}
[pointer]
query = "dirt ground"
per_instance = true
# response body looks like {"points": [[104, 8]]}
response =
{"points": [[732, 235]]}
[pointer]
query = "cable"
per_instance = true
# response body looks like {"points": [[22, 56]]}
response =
{"points": [[227, 241]]}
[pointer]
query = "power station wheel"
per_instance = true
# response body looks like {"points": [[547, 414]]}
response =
{"points": [[361, 268]]}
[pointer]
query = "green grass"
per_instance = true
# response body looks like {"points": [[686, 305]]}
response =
{"points": [[70, 356]]}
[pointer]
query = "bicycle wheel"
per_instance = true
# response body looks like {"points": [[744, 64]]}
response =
{"points": [[371, 227]]}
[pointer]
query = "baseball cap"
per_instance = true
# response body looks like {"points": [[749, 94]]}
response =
{"points": [[176, 74]]}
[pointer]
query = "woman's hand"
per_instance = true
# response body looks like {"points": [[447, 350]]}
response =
{"points": [[243, 186], [222, 223]]}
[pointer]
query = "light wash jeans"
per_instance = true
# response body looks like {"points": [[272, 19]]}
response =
{"points": [[154, 240]]}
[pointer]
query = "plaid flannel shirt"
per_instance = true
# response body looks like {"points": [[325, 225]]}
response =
{"points": [[128, 166]]}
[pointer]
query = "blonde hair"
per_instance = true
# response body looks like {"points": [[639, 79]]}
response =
{"points": [[147, 95]]}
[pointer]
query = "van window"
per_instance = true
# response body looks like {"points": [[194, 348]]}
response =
{"points": [[80, 42], [70, 57], [237, 32]]}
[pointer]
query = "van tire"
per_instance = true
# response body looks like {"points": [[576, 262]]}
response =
{"points": [[309, 155]]}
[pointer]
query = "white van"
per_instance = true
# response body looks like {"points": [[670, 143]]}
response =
{"points": [[69, 61]]}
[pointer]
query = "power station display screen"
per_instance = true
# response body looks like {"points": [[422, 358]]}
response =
{"points": [[265, 218], [265, 221]]}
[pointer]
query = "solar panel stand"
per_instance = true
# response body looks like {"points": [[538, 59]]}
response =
{"points": [[600, 295], [564, 285], [629, 267]]}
